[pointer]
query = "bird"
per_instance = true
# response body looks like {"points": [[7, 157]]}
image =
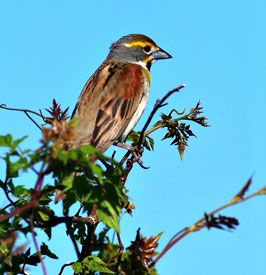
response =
{"points": [[115, 96]]}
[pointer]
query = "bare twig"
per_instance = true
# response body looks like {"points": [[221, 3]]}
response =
{"points": [[37, 247], [64, 266], [158, 104], [201, 223], [34, 199], [26, 112], [72, 238], [18, 211], [121, 249], [87, 244]]}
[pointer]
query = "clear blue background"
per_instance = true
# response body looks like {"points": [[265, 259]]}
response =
{"points": [[48, 49]]}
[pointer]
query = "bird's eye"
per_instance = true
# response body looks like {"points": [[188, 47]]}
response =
{"points": [[147, 49]]}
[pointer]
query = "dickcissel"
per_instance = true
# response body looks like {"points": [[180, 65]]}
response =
{"points": [[115, 96]]}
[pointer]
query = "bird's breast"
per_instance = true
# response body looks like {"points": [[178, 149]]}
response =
{"points": [[142, 104]]}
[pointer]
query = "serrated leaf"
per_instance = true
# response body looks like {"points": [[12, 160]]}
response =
{"points": [[18, 141], [6, 141], [20, 190], [77, 267], [44, 216], [46, 251], [48, 232], [91, 263], [33, 259], [3, 249], [181, 149], [151, 142], [87, 150], [96, 169], [107, 214]]}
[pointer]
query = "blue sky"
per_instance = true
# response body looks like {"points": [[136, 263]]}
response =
{"points": [[49, 49]]}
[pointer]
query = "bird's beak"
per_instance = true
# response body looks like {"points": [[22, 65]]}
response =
{"points": [[160, 54]]}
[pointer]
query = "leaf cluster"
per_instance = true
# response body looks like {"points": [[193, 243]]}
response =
{"points": [[95, 192]]}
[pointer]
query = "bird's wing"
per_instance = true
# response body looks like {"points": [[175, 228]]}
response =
{"points": [[108, 102]]}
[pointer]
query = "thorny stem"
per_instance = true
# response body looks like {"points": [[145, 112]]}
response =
{"points": [[201, 223]]}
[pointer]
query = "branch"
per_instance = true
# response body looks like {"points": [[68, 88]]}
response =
{"points": [[37, 247], [120, 251], [34, 199], [63, 267], [158, 104], [203, 222], [26, 112], [54, 221], [87, 244]]}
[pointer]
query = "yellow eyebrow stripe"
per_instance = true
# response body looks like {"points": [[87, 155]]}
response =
{"points": [[140, 43]]}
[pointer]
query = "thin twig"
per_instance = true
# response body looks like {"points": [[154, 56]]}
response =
{"points": [[18, 211], [88, 242], [73, 240], [26, 112], [201, 223], [34, 199], [3, 106], [120, 251], [158, 104], [63, 267], [32, 120], [37, 247]]}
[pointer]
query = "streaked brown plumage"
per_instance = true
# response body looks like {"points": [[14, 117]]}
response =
{"points": [[115, 96]]}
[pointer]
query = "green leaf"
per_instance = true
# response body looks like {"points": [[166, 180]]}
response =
{"points": [[3, 249], [96, 169], [94, 263], [91, 263], [151, 142], [44, 216], [108, 215], [85, 149], [20, 190], [18, 141], [67, 182], [77, 267], [46, 251], [12, 169], [6, 141]]}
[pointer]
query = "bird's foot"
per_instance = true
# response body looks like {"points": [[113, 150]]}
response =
{"points": [[136, 152]]}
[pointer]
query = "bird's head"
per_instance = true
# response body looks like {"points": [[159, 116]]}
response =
{"points": [[138, 49]]}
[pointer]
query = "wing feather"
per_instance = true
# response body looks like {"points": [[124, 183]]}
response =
{"points": [[107, 104]]}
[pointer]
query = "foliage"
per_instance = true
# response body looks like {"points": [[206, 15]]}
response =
{"points": [[69, 174]]}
